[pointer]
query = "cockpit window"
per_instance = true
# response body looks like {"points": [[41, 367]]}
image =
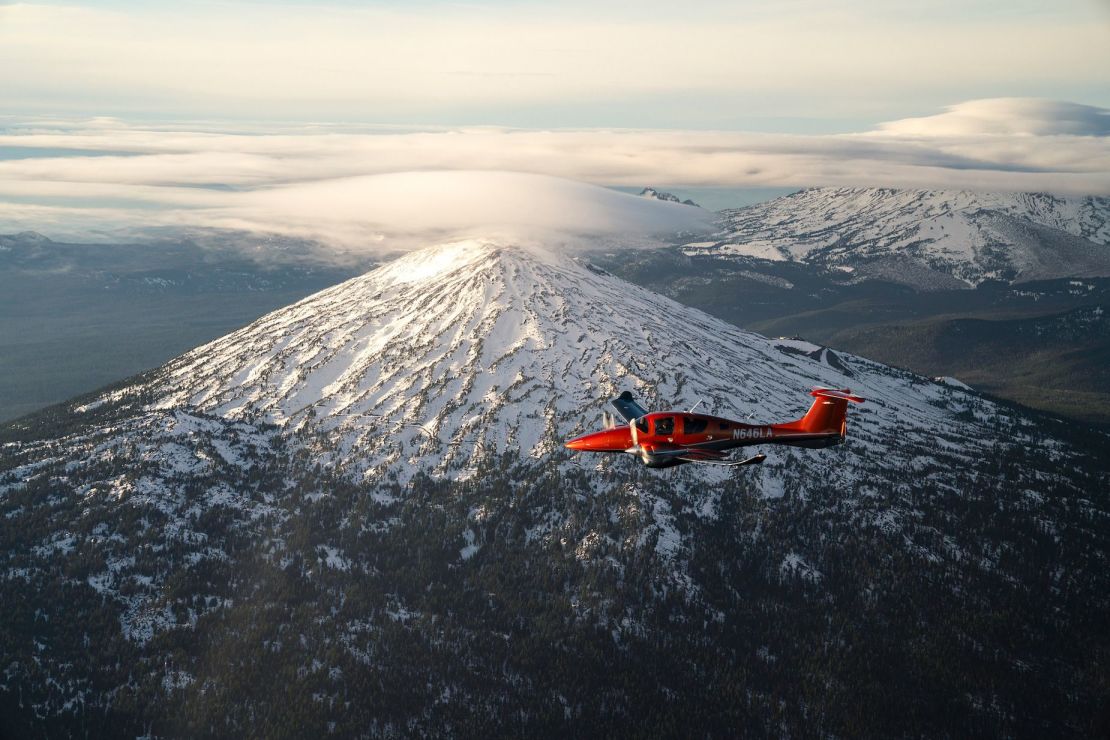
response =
{"points": [[693, 425], [641, 424], [664, 425]]}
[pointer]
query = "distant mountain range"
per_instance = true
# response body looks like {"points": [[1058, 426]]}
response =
{"points": [[355, 516], [926, 239]]}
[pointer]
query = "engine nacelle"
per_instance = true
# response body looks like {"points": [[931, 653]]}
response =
{"points": [[652, 461]]}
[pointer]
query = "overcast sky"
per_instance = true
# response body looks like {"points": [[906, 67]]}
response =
{"points": [[818, 66]]}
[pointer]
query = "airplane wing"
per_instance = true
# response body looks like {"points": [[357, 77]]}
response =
{"points": [[668, 451], [627, 407], [693, 454], [701, 457], [755, 460]]}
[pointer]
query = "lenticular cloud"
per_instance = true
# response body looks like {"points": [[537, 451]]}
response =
{"points": [[457, 204], [1012, 116]]}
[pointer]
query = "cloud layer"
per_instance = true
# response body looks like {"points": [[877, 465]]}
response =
{"points": [[326, 181]]}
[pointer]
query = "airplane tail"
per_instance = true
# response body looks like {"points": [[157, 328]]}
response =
{"points": [[829, 412]]}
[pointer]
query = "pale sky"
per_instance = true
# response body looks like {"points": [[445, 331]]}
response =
{"points": [[804, 66]]}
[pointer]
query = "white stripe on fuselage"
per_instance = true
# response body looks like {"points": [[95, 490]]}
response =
{"points": [[753, 433]]}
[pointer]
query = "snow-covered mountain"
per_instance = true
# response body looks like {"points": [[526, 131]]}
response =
{"points": [[23, 238], [654, 194], [474, 349], [925, 238], [366, 494]]}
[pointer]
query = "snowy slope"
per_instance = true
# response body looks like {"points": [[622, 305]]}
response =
{"points": [[957, 236], [476, 354], [382, 462], [493, 349], [473, 353]]}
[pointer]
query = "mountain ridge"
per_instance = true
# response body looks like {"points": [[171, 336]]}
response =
{"points": [[924, 238]]}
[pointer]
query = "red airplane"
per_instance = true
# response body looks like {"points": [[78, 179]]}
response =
{"points": [[667, 438]]}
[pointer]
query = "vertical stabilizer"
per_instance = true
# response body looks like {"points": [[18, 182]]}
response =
{"points": [[829, 412]]}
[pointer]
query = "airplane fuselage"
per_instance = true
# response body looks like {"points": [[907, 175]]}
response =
{"points": [[656, 436]]}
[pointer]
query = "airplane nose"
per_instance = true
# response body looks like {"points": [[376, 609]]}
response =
{"points": [[608, 440]]}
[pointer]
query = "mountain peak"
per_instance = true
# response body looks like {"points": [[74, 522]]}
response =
{"points": [[653, 194], [476, 349], [33, 237], [24, 238]]}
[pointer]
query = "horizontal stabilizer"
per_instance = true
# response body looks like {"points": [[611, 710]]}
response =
{"points": [[627, 407], [834, 393]]}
